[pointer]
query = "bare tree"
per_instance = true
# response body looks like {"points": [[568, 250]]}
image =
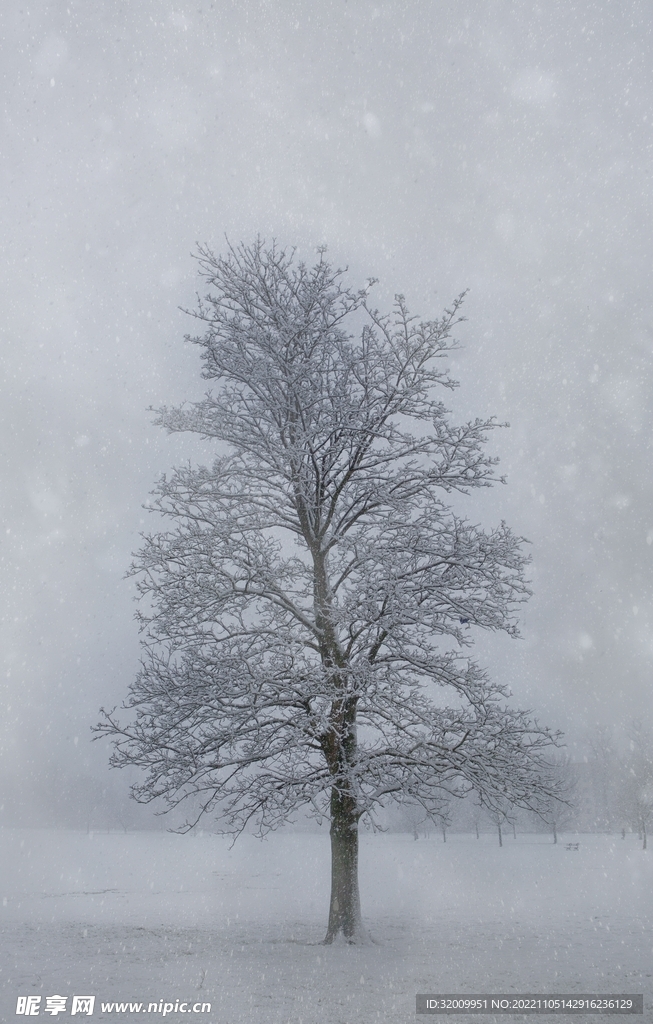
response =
{"points": [[445, 817], [310, 610], [637, 785], [602, 796], [557, 810], [414, 818], [471, 814], [500, 813]]}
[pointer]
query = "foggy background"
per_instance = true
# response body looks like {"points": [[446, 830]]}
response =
{"points": [[500, 147]]}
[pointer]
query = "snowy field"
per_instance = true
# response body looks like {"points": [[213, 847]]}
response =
{"points": [[157, 916]]}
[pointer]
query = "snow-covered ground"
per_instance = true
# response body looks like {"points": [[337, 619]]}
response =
{"points": [[157, 916]]}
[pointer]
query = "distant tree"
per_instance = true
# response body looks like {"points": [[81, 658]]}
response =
{"points": [[444, 820], [557, 810], [500, 814], [472, 814], [413, 817], [604, 769], [637, 785], [475, 822], [309, 611]]}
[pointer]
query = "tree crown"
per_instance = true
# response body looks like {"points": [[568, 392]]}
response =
{"points": [[315, 589]]}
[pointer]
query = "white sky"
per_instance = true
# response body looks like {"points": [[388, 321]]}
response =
{"points": [[496, 146]]}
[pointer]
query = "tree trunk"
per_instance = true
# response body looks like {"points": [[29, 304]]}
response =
{"points": [[555, 833], [500, 836], [644, 837], [476, 824], [444, 834], [345, 906]]}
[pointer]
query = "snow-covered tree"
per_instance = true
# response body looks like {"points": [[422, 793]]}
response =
{"points": [[309, 612]]}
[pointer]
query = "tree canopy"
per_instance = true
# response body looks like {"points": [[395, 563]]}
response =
{"points": [[309, 611]]}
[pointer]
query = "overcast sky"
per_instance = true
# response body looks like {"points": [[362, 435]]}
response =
{"points": [[500, 147]]}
